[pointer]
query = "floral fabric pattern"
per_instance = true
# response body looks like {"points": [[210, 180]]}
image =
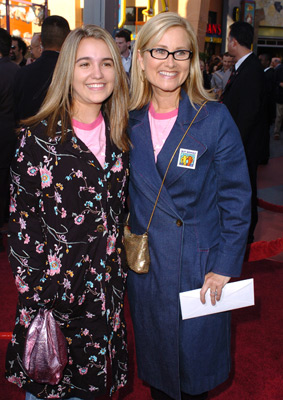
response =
{"points": [[66, 253]]}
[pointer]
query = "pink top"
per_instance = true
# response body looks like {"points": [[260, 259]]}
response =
{"points": [[93, 136], [161, 125]]}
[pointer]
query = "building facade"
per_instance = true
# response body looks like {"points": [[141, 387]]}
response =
{"points": [[209, 18]]}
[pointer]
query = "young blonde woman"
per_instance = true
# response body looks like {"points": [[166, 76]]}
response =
{"points": [[69, 185], [198, 233]]}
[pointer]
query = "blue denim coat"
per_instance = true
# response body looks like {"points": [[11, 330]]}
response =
{"points": [[200, 225]]}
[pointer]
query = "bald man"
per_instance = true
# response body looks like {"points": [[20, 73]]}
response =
{"points": [[35, 48]]}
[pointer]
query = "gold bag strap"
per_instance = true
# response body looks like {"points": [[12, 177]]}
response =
{"points": [[163, 180]]}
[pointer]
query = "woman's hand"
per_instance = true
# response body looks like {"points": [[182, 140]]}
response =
{"points": [[215, 283]]}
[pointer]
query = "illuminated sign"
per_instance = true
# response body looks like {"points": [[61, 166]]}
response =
{"points": [[213, 29], [121, 13], [211, 39]]}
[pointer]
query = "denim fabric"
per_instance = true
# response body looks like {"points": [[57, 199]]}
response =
{"points": [[200, 224]]}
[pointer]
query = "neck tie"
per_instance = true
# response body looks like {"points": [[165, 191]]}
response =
{"points": [[228, 84]]}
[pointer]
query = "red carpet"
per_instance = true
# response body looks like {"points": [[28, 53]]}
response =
{"points": [[257, 332], [257, 338], [271, 174], [270, 181]]}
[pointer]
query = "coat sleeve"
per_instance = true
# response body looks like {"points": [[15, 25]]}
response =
{"points": [[233, 197], [26, 239]]}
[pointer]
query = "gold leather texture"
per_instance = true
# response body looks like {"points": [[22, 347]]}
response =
{"points": [[137, 251]]}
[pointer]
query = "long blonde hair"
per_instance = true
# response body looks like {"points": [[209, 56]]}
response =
{"points": [[58, 101], [153, 30]]}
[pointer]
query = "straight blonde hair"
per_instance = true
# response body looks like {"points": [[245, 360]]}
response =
{"points": [[152, 31], [58, 101]]}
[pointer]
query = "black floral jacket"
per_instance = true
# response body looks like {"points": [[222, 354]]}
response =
{"points": [[66, 253]]}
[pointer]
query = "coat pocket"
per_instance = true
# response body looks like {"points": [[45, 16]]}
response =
{"points": [[207, 259]]}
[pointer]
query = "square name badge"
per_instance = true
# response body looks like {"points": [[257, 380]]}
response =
{"points": [[187, 158]]}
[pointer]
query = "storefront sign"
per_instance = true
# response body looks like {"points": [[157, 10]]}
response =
{"points": [[211, 39], [213, 29]]}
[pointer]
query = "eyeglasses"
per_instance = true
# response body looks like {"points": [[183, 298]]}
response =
{"points": [[13, 47], [162, 54]]}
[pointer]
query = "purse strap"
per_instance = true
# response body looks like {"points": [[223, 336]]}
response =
{"points": [[164, 177]]}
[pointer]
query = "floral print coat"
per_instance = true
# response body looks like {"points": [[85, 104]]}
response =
{"points": [[66, 252]]}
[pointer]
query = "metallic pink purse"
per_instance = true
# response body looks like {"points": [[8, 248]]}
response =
{"points": [[45, 353]]}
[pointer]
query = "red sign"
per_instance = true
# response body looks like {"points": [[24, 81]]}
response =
{"points": [[213, 29]]}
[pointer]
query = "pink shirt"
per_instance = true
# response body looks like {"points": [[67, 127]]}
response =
{"points": [[93, 136], [161, 125]]}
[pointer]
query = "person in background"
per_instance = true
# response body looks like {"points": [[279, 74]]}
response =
{"points": [[275, 61], [214, 68], [205, 76], [69, 188], [32, 81], [278, 76], [220, 77], [123, 41], [198, 233], [35, 48], [269, 106], [18, 51], [212, 65], [244, 96], [8, 70]]}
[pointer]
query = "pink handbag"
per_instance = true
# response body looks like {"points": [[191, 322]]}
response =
{"points": [[45, 353]]}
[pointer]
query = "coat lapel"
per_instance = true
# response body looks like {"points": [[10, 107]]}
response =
{"points": [[142, 156], [76, 147], [185, 116]]}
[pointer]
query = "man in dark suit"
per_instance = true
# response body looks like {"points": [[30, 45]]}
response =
{"points": [[8, 70], [32, 81], [244, 97]]}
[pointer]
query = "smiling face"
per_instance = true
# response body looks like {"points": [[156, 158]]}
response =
{"points": [[94, 76], [227, 62], [167, 76]]}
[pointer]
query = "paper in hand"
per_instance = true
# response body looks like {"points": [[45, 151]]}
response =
{"points": [[234, 295]]}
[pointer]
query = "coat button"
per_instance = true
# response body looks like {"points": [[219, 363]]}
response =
{"points": [[179, 222], [100, 228], [109, 185]]}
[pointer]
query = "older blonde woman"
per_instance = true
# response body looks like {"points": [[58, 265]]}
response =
{"points": [[69, 181], [198, 233]]}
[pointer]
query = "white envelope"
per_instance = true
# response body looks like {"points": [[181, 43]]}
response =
{"points": [[234, 295]]}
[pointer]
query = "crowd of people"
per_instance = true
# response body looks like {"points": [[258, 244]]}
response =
{"points": [[92, 128], [217, 70]]}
